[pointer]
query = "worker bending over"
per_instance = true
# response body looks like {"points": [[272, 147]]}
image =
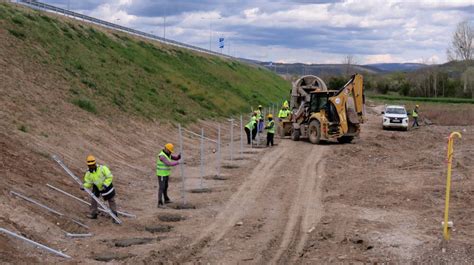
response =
{"points": [[270, 129], [251, 128], [163, 170], [99, 178]]}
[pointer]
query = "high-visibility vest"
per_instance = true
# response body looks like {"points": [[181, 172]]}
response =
{"points": [[284, 113], [259, 114], [252, 123], [415, 113], [163, 170], [271, 127], [100, 177]]}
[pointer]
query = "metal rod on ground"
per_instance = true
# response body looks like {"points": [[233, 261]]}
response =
{"points": [[241, 137], [59, 253], [201, 169], [69, 172], [35, 202], [46, 207], [78, 235], [219, 150], [181, 165], [232, 140], [87, 203]]}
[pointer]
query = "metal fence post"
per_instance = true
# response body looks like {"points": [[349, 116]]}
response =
{"points": [[232, 139], [202, 156], [241, 137], [181, 164], [219, 151]]}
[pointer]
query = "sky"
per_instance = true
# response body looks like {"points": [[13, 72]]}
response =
{"points": [[303, 31]]}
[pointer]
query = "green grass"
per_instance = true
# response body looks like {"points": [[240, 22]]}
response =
{"points": [[421, 99], [118, 72], [85, 104]]}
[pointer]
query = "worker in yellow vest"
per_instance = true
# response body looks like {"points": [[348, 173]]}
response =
{"points": [[284, 112], [251, 128], [260, 119], [415, 116], [270, 129], [99, 178], [165, 161]]}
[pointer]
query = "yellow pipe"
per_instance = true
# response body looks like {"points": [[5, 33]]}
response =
{"points": [[448, 183]]}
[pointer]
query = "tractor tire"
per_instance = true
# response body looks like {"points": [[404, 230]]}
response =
{"points": [[345, 139], [314, 132], [295, 135]]}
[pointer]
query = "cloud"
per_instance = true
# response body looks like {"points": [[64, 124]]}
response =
{"points": [[297, 31]]}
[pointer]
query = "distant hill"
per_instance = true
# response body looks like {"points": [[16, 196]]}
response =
{"points": [[394, 67], [337, 69]]}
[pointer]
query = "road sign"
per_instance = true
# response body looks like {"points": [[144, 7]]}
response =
{"points": [[221, 43]]}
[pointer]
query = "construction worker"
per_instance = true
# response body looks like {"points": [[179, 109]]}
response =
{"points": [[163, 170], [260, 119], [99, 178], [251, 128], [270, 129], [284, 112], [415, 116]]}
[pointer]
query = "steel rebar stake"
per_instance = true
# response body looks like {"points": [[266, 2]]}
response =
{"points": [[219, 150]]}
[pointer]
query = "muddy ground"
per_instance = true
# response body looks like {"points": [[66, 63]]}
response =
{"points": [[379, 199]]}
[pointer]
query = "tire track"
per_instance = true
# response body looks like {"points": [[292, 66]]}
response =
{"points": [[305, 210]]}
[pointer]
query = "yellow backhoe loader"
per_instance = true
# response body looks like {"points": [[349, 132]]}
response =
{"points": [[322, 114]]}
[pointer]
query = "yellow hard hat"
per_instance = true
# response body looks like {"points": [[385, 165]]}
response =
{"points": [[259, 106], [170, 147], [417, 105], [90, 160], [270, 116]]}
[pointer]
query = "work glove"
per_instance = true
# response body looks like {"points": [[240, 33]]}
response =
{"points": [[178, 156], [82, 187]]}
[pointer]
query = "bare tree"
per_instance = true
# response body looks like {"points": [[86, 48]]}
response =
{"points": [[462, 47], [349, 61]]}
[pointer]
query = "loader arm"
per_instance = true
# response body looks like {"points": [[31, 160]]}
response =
{"points": [[353, 87]]}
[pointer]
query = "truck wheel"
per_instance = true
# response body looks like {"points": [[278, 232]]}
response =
{"points": [[314, 132], [295, 135], [345, 139]]}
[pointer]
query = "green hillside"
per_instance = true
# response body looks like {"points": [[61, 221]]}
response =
{"points": [[109, 71]]}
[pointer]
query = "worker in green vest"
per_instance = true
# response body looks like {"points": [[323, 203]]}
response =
{"points": [[415, 116], [165, 161], [260, 119], [284, 112], [251, 128], [270, 129], [99, 179]]}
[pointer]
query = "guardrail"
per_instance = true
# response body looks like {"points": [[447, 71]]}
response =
{"points": [[42, 6]]}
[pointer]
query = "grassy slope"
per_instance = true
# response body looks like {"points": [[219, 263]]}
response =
{"points": [[110, 71]]}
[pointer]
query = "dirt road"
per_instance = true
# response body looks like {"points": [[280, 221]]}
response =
{"points": [[268, 217]]}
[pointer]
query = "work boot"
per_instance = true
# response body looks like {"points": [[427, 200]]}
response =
{"points": [[167, 200], [92, 216]]}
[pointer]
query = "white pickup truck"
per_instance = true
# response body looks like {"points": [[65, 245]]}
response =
{"points": [[395, 116]]}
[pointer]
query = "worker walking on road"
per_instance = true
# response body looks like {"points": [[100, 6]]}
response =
{"points": [[260, 119], [163, 170], [284, 112], [251, 128], [270, 129], [415, 117], [99, 178]]}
